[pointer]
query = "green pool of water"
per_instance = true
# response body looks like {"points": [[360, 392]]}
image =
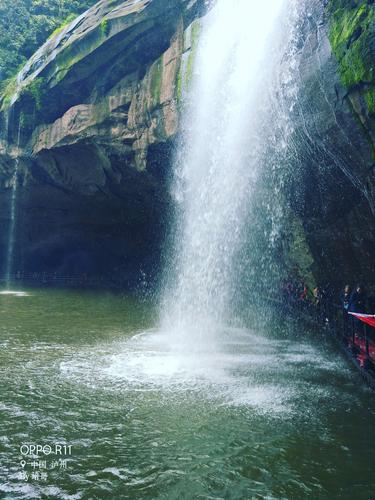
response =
{"points": [[271, 413]]}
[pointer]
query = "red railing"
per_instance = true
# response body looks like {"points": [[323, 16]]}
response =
{"points": [[357, 338]]}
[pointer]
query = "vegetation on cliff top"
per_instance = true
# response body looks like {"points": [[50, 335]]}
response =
{"points": [[26, 24]]}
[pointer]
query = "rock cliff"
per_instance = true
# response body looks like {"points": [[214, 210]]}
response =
{"points": [[91, 119], [330, 182], [89, 122]]}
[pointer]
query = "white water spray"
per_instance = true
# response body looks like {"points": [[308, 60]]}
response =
{"points": [[217, 167], [231, 130]]}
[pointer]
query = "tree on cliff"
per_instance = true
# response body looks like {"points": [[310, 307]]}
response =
{"points": [[26, 24]]}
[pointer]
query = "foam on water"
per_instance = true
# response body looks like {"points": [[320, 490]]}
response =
{"points": [[246, 369]]}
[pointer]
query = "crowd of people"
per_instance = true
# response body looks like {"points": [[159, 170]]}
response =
{"points": [[297, 293], [325, 302], [325, 305]]}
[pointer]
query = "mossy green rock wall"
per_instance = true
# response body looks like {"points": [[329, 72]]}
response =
{"points": [[330, 181], [352, 37]]}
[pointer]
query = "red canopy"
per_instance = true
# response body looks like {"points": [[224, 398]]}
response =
{"points": [[366, 318]]}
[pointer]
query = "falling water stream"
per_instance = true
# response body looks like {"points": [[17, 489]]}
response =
{"points": [[217, 165], [12, 217]]}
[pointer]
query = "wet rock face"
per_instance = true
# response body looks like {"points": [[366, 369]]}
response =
{"points": [[81, 121], [331, 186]]}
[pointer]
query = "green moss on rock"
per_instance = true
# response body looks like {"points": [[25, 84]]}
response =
{"points": [[27, 121], [35, 91], [105, 27], [179, 85], [351, 36], [65, 23], [370, 100], [186, 72], [7, 90], [298, 251], [32, 94], [350, 33], [195, 31], [156, 81]]}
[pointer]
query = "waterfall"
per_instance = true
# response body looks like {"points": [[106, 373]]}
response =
{"points": [[12, 216], [218, 160]]}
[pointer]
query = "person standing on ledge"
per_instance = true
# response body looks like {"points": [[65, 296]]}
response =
{"points": [[345, 302], [357, 304]]}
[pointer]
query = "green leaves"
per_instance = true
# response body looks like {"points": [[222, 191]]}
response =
{"points": [[26, 24]]}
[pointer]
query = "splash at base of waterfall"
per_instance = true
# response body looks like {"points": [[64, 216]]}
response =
{"points": [[241, 372], [151, 358]]}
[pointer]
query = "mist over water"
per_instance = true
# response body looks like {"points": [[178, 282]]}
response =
{"points": [[217, 166]]}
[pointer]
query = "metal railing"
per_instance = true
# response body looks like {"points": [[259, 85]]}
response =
{"points": [[61, 279], [355, 338]]}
